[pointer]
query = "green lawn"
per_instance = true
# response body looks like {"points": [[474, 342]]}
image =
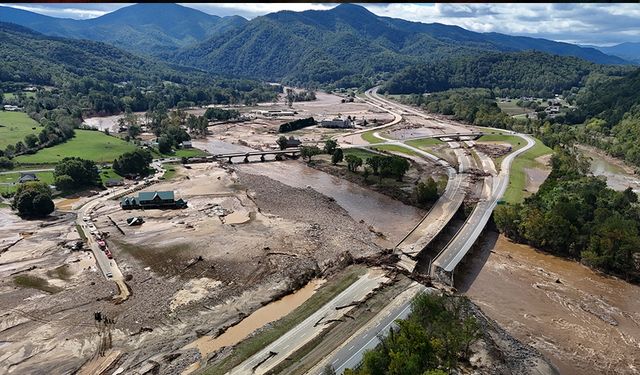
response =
{"points": [[13, 177], [515, 141], [511, 108], [424, 142], [86, 144], [10, 95], [396, 148], [362, 154], [517, 177], [108, 173], [14, 126], [170, 171], [369, 137]]}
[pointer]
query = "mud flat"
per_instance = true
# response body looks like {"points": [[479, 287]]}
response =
{"points": [[583, 321]]}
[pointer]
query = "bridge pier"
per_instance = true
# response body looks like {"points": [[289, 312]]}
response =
{"points": [[230, 160], [262, 158], [278, 157], [246, 159]]}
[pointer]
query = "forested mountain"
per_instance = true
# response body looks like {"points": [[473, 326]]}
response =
{"points": [[147, 28], [347, 43], [628, 51], [518, 73], [611, 108], [28, 56]]}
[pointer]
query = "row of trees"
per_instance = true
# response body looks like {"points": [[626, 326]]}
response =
{"points": [[578, 216]]}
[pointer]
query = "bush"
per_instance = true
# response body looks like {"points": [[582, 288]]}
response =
{"points": [[33, 199], [6, 163], [296, 124], [75, 173], [133, 163]]}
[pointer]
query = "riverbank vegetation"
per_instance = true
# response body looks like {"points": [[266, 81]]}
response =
{"points": [[435, 339], [577, 216]]}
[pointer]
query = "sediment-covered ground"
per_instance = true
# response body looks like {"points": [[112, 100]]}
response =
{"points": [[243, 241]]}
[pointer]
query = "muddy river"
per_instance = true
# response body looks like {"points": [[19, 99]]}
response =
{"points": [[619, 175], [393, 218], [584, 322]]}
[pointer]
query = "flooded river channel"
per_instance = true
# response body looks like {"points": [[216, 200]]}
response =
{"points": [[583, 321], [393, 218], [619, 175]]}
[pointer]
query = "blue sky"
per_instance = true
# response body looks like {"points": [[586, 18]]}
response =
{"points": [[599, 24]]}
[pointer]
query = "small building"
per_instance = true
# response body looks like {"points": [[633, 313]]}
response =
{"points": [[11, 108], [337, 122], [292, 142], [27, 177], [186, 144], [152, 199]]}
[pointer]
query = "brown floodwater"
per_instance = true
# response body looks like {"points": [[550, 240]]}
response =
{"points": [[618, 175], [583, 321], [264, 315], [389, 216]]}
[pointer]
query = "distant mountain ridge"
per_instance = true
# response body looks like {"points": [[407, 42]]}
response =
{"points": [[31, 57], [146, 28], [629, 51], [349, 43]]}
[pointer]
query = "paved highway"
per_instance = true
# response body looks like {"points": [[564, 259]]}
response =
{"points": [[451, 200], [455, 251], [109, 267], [349, 354], [304, 332]]}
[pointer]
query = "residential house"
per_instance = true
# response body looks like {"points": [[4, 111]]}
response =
{"points": [[27, 177], [152, 199]]}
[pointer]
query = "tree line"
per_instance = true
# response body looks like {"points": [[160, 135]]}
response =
{"points": [[577, 216]]}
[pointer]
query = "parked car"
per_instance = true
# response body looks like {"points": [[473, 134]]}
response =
{"points": [[109, 274]]}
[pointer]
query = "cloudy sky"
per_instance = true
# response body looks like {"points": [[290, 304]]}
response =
{"points": [[598, 24]]}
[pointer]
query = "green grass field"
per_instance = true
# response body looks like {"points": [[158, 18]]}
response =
{"points": [[86, 144], [362, 154], [11, 96], [369, 137], [511, 108], [396, 148], [107, 173], [517, 178], [14, 126], [515, 141], [13, 177], [424, 142]]}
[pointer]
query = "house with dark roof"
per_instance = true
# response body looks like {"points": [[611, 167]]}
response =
{"points": [[27, 177], [152, 199]]}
